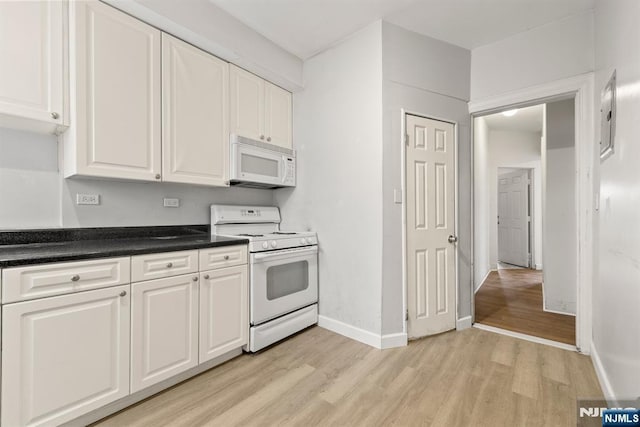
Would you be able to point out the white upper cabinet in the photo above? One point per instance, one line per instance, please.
(195, 122)
(247, 104)
(32, 65)
(259, 110)
(278, 115)
(115, 95)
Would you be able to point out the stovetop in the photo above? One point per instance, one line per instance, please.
(259, 224)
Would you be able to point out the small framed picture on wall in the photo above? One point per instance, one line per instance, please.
(608, 118)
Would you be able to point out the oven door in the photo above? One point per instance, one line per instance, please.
(282, 281)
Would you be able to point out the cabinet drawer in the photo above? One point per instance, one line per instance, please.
(166, 264)
(25, 283)
(226, 256)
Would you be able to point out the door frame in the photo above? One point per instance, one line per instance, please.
(581, 89)
(403, 159)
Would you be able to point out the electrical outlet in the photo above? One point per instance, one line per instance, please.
(171, 203)
(87, 199)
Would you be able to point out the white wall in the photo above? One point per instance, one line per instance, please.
(29, 180)
(616, 295)
(541, 55)
(34, 193)
(338, 134)
(428, 77)
(205, 25)
(560, 225)
(482, 265)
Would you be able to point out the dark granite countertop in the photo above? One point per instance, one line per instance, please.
(26, 247)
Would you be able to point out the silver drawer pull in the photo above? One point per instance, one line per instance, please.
(123, 293)
(169, 265)
(75, 278)
(206, 277)
(226, 257)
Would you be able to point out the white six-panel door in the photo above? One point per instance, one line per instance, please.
(164, 325)
(116, 77)
(430, 207)
(513, 218)
(64, 356)
(195, 128)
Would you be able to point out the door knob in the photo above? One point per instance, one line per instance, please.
(452, 239)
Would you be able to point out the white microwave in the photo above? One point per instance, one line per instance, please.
(257, 164)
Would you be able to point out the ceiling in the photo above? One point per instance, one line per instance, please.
(526, 119)
(307, 27)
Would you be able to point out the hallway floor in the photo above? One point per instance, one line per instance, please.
(512, 299)
(318, 378)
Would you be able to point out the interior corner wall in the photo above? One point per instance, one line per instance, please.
(431, 78)
(559, 219)
(338, 134)
(482, 265)
(541, 55)
(616, 293)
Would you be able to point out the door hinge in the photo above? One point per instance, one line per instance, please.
(406, 315)
(406, 138)
(529, 218)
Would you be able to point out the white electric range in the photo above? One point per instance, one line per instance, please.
(283, 271)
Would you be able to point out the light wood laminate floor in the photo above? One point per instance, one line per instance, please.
(512, 299)
(465, 378)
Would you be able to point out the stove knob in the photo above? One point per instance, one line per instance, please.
(274, 243)
(265, 245)
(303, 241)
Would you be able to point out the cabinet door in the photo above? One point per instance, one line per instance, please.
(32, 68)
(247, 104)
(224, 310)
(278, 127)
(64, 356)
(116, 75)
(164, 329)
(195, 122)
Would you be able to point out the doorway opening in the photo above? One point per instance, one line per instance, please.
(525, 227)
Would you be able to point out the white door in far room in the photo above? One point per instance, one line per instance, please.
(430, 226)
(513, 218)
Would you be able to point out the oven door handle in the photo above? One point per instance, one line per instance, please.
(262, 256)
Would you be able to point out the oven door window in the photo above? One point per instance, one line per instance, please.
(259, 165)
(286, 279)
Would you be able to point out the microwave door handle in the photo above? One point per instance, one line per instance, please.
(284, 169)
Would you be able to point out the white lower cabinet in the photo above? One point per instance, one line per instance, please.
(224, 311)
(164, 329)
(64, 356)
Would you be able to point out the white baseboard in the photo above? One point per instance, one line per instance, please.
(603, 379)
(538, 266)
(463, 323)
(393, 340)
(558, 312)
(365, 337)
(483, 280)
(525, 337)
